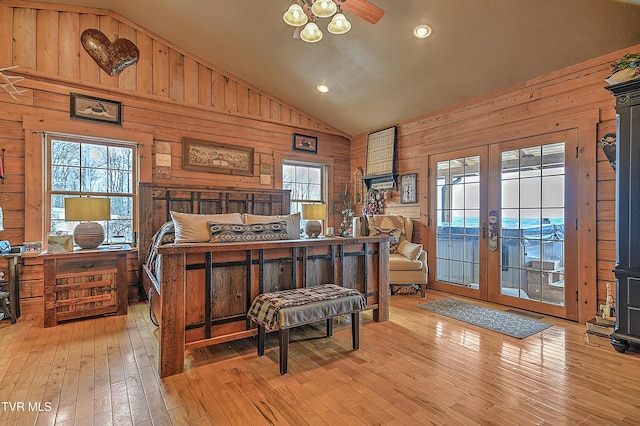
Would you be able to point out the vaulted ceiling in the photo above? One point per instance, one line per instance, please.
(380, 74)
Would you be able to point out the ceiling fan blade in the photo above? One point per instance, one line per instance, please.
(363, 9)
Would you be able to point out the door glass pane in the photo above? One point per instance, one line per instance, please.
(532, 228)
(458, 210)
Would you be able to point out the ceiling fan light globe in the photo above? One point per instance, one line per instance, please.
(324, 8)
(339, 24)
(295, 16)
(311, 33)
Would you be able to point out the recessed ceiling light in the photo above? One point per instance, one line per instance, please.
(322, 88)
(422, 31)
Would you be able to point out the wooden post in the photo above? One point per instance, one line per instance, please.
(172, 331)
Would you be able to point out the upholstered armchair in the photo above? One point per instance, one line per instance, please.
(407, 260)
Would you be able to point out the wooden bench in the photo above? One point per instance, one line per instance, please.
(282, 310)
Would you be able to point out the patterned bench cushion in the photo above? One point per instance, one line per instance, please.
(291, 308)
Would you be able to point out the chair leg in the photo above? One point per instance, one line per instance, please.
(6, 311)
(355, 330)
(262, 339)
(423, 290)
(284, 350)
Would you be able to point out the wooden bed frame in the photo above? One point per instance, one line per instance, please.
(205, 290)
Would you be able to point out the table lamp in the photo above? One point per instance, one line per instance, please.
(314, 214)
(87, 234)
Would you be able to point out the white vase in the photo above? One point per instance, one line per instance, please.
(620, 76)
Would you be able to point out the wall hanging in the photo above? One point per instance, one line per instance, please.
(380, 155)
(96, 109)
(216, 157)
(111, 57)
(305, 143)
(7, 83)
(608, 144)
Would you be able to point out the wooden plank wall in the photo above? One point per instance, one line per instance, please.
(168, 93)
(568, 97)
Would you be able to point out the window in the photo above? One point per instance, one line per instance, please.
(97, 168)
(306, 183)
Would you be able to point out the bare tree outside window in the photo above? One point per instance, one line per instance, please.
(97, 169)
(305, 183)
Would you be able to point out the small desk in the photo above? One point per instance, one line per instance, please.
(10, 283)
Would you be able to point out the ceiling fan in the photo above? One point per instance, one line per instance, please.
(302, 14)
(363, 9)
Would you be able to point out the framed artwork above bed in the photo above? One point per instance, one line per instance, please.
(216, 157)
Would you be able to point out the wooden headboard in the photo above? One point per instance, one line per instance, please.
(156, 201)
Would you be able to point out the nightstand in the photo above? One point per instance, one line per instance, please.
(85, 283)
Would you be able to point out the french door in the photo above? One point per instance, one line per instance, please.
(503, 225)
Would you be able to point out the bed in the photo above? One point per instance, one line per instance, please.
(200, 292)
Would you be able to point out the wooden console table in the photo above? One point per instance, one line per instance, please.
(84, 283)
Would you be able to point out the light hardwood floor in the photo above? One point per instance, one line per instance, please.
(418, 368)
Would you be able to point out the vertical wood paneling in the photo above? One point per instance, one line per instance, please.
(24, 37)
(265, 107)
(190, 80)
(275, 111)
(230, 94)
(160, 69)
(217, 90)
(68, 36)
(127, 77)
(89, 70)
(155, 73)
(176, 75)
(109, 27)
(254, 103)
(47, 41)
(144, 66)
(285, 114)
(6, 36)
(242, 104)
(204, 86)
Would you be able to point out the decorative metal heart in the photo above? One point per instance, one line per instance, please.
(111, 57)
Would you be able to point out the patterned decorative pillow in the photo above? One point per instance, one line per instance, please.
(386, 222)
(293, 222)
(393, 233)
(237, 233)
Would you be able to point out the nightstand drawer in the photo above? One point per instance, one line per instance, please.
(86, 267)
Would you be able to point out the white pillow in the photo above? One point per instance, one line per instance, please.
(409, 250)
(194, 228)
(292, 221)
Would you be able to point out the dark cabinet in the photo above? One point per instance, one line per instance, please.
(627, 268)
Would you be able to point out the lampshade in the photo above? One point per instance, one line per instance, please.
(324, 8)
(87, 234)
(311, 33)
(339, 24)
(295, 16)
(313, 214)
(314, 211)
